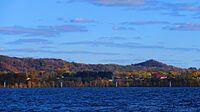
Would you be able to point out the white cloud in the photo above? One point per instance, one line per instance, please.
(82, 20)
(41, 30)
(118, 2)
(2, 49)
(184, 27)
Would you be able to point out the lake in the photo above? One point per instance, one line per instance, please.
(101, 99)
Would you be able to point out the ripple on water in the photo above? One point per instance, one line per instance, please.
(101, 99)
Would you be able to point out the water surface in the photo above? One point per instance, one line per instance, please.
(101, 99)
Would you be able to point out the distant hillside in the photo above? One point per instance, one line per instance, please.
(14, 64)
(151, 63)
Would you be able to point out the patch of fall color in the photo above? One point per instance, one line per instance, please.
(30, 73)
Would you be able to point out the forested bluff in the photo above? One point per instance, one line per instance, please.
(56, 73)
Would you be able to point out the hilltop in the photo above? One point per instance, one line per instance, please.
(151, 63)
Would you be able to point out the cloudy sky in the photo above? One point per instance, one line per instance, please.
(102, 31)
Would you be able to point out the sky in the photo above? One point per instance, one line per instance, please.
(102, 31)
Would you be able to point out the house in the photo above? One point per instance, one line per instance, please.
(159, 75)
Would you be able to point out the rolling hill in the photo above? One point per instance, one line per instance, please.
(14, 64)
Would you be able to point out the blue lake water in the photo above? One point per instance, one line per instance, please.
(101, 99)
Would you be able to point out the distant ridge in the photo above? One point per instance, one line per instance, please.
(14, 64)
(151, 63)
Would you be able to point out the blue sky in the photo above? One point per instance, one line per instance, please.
(102, 31)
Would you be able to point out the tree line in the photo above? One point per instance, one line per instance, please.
(61, 78)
